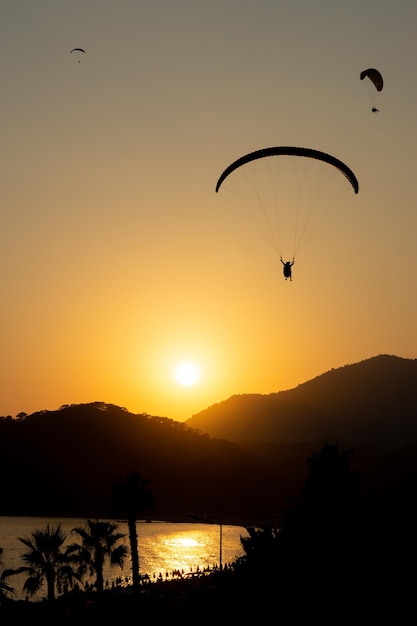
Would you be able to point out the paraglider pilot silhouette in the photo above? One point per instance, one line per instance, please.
(287, 268)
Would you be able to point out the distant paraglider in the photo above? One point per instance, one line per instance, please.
(377, 83)
(77, 51)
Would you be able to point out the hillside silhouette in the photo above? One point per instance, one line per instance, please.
(371, 403)
(236, 461)
(65, 462)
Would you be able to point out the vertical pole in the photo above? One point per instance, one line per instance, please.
(221, 547)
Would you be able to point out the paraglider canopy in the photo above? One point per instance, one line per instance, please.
(291, 151)
(373, 76)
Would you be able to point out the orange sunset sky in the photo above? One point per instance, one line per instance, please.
(119, 261)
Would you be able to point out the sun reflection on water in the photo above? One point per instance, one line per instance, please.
(182, 542)
(186, 551)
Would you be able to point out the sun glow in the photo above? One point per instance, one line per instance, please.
(187, 374)
(184, 542)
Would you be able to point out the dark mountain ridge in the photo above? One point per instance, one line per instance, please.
(370, 403)
(65, 462)
(237, 460)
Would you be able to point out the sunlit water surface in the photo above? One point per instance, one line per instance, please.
(164, 548)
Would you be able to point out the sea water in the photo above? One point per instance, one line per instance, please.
(165, 549)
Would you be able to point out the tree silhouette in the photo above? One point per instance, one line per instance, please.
(47, 561)
(323, 533)
(131, 495)
(99, 542)
(5, 589)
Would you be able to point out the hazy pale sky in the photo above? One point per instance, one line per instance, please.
(119, 260)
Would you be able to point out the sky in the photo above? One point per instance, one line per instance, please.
(119, 261)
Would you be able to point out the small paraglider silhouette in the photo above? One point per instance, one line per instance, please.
(376, 79)
(78, 50)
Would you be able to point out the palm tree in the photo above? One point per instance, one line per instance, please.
(5, 589)
(46, 560)
(131, 496)
(99, 542)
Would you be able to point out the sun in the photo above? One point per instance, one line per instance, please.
(187, 374)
